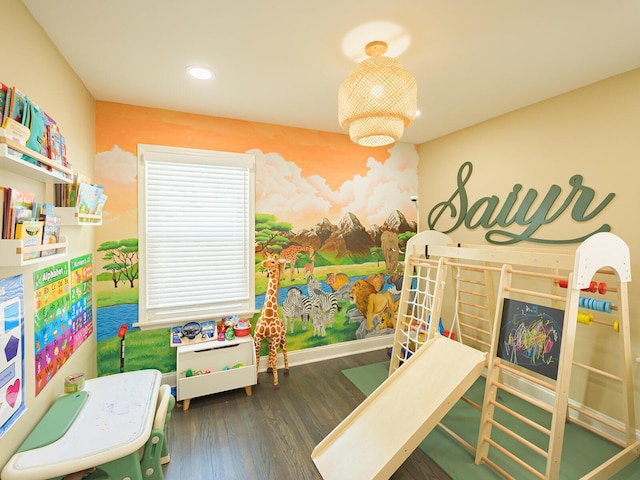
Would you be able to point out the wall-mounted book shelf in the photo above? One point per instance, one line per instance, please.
(14, 163)
(71, 216)
(12, 252)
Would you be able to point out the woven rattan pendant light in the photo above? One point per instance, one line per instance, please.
(378, 100)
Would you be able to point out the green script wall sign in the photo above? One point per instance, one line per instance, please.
(486, 212)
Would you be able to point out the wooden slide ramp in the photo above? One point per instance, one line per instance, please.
(379, 435)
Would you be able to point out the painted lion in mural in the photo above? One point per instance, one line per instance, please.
(359, 295)
(384, 307)
(336, 280)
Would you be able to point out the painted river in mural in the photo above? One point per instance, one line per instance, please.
(110, 319)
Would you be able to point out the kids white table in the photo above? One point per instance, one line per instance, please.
(104, 425)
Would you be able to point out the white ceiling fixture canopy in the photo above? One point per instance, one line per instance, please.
(378, 100)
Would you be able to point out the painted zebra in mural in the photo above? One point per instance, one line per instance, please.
(323, 306)
(296, 305)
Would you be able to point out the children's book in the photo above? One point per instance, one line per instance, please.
(15, 198)
(88, 197)
(36, 209)
(48, 124)
(17, 105)
(16, 131)
(3, 99)
(21, 197)
(51, 232)
(53, 136)
(1, 211)
(38, 139)
(100, 205)
(30, 232)
(19, 214)
(7, 103)
(63, 151)
(5, 211)
(46, 209)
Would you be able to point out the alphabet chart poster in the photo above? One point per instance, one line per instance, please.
(11, 352)
(53, 333)
(81, 313)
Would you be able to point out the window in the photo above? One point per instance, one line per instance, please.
(196, 227)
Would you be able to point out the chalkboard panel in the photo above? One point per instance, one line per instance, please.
(530, 336)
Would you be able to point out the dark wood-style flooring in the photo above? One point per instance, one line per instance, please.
(271, 434)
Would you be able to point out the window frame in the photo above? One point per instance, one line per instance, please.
(149, 318)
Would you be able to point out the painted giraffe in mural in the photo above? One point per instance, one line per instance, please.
(270, 326)
(290, 255)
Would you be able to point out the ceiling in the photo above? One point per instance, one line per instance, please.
(282, 61)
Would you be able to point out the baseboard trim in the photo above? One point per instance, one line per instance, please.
(326, 352)
(316, 354)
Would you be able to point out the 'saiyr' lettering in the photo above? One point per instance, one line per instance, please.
(487, 212)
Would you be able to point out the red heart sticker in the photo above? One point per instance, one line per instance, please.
(12, 392)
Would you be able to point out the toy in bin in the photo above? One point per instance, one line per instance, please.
(242, 328)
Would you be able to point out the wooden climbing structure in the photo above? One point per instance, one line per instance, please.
(528, 326)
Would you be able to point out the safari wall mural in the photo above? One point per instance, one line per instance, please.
(338, 214)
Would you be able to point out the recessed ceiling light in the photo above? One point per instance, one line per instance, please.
(201, 73)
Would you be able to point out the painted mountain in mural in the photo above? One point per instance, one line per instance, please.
(398, 223)
(349, 239)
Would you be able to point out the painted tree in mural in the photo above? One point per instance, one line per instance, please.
(270, 233)
(377, 253)
(123, 260)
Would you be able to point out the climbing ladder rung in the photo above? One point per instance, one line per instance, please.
(475, 340)
(535, 294)
(528, 273)
(424, 262)
(520, 417)
(530, 378)
(473, 305)
(457, 437)
(471, 403)
(521, 396)
(604, 421)
(600, 433)
(474, 268)
(598, 371)
(475, 329)
(517, 437)
(511, 456)
(472, 292)
(471, 315)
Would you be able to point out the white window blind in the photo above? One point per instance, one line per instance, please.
(197, 255)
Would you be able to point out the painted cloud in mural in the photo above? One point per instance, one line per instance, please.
(384, 186)
(280, 187)
(388, 184)
(116, 170)
(117, 165)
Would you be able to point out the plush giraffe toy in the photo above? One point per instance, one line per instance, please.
(270, 326)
